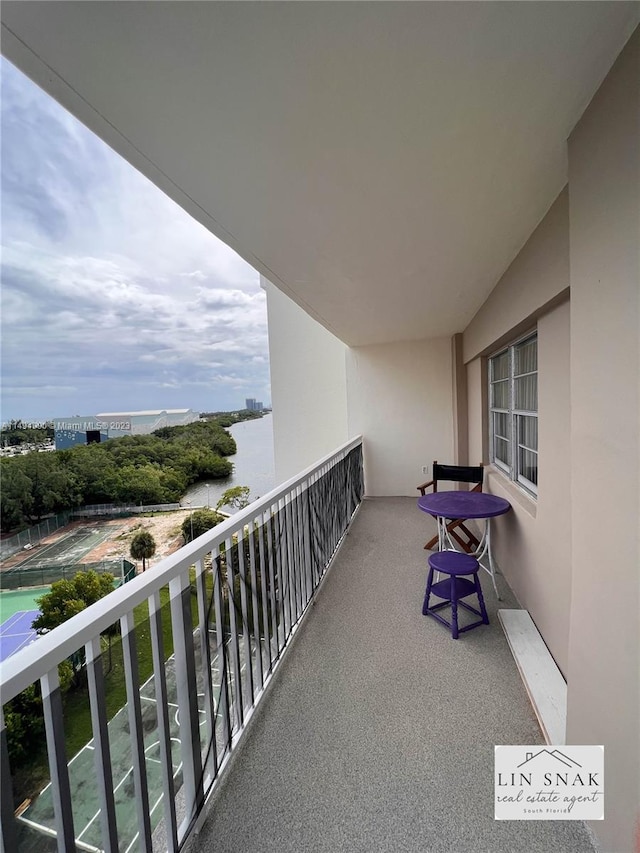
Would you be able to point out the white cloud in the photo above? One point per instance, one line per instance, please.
(108, 283)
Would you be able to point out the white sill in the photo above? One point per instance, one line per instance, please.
(512, 491)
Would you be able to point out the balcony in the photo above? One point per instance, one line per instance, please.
(372, 731)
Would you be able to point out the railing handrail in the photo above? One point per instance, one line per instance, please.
(36, 660)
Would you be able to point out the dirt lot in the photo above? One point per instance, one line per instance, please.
(164, 527)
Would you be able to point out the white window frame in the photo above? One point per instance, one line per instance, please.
(512, 468)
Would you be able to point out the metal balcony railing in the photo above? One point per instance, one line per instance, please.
(233, 599)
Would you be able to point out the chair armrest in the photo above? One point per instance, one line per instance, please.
(424, 486)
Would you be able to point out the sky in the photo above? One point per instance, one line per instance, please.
(113, 298)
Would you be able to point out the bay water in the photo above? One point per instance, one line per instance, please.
(253, 465)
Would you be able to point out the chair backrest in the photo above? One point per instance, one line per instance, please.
(458, 473)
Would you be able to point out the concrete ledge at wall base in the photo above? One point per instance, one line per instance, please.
(543, 680)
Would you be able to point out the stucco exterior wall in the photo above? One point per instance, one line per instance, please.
(536, 280)
(532, 543)
(398, 396)
(308, 386)
(476, 407)
(400, 399)
(573, 555)
(604, 665)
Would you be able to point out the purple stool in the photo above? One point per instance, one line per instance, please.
(454, 588)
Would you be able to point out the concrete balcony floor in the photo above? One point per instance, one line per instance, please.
(378, 733)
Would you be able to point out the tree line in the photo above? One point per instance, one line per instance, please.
(227, 419)
(148, 469)
(16, 432)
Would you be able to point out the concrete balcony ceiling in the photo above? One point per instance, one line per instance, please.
(381, 163)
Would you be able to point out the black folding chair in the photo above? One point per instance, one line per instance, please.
(456, 528)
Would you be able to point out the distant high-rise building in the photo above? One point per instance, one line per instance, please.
(253, 405)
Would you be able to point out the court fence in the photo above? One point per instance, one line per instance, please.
(118, 511)
(32, 535)
(46, 574)
(35, 534)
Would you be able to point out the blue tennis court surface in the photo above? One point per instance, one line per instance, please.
(16, 632)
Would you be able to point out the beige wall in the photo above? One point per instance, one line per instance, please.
(400, 399)
(604, 666)
(308, 386)
(533, 543)
(460, 402)
(476, 409)
(534, 281)
(398, 396)
(573, 555)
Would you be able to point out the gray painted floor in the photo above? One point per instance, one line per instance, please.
(378, 732)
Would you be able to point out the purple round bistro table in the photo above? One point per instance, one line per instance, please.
(446, 506)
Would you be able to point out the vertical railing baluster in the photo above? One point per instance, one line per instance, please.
(297, 552)
(264, 590)
(280, 565)
(334, 513)
(312, 502)
(246, 632)
(283, 567)
(164, 728)
(186, 686)
(291, 557)
(291, 570)
(280, 580)
(255, 530)
(275, 599)
(8, 839)
(234, 641)
(205, 660)
(139, 765)
(58, 766)
(333, 496)
(306, 541)
(323, 521)
(293, 575)
(101, 752)
(307, 588)
(320, 521)
(224, 704)
(298, 556)
(331, 518)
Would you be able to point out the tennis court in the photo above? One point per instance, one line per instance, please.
(16, 632)
(73, 547)
(82, 773)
